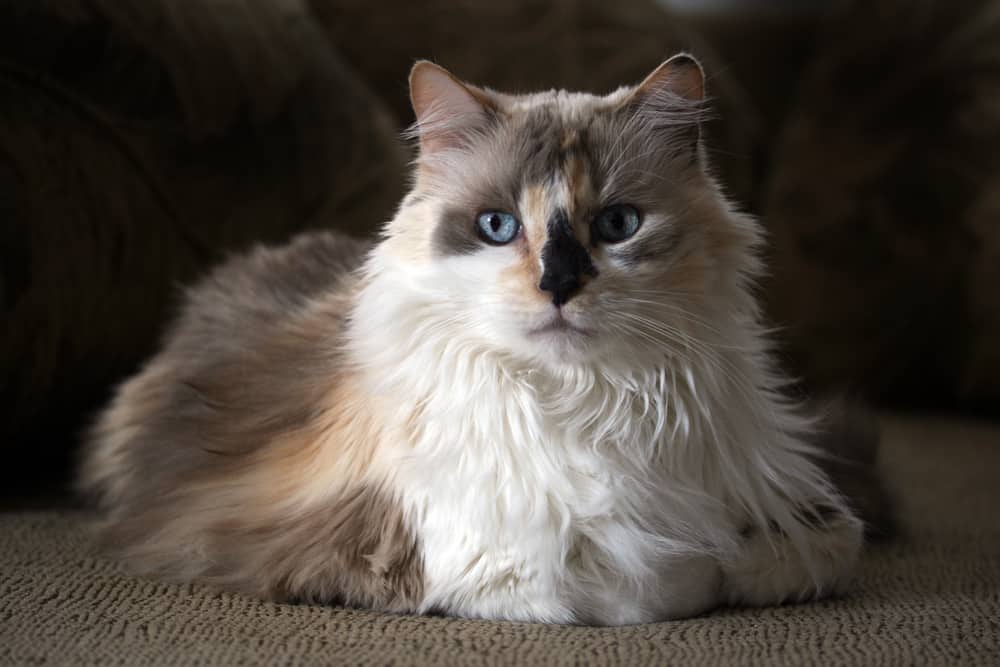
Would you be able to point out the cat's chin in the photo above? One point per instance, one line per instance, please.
(559, 342)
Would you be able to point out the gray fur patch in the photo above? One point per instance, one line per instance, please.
(455, 233)
(650, 246)
(249, 367)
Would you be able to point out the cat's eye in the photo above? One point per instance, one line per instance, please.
(497, 227)
(617, 223)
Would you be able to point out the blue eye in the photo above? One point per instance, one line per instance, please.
(497, 227)
(617, 223)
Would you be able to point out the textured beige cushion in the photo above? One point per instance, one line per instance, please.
(931, 597)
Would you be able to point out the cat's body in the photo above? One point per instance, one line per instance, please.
(540, 425)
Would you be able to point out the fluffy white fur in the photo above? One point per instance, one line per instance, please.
(650, 481)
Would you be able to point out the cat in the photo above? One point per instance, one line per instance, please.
(545, 394)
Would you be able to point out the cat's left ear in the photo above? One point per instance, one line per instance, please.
(448, 111)
(671, 100)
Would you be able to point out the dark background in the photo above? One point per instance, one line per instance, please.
(140, 142)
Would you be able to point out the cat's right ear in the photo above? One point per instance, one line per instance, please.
(448, 111)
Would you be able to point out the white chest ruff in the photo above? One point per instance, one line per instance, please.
(569, 516)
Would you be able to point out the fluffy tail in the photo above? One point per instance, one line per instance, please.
(849, 441)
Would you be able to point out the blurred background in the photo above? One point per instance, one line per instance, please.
(142, 141)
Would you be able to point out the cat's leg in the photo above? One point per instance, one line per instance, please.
(604, 590)
(771, 569)
(684, 587)
(494, 583)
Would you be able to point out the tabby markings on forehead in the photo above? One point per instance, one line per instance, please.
(555, 148)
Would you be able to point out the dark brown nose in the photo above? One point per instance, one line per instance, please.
(562, 287)
(566, 263)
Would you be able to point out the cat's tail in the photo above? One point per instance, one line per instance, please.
(848, 440)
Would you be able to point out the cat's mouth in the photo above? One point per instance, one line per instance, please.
(559, 325)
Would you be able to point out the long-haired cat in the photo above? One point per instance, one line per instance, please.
(544, 395)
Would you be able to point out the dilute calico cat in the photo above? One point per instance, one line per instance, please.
(545, 394)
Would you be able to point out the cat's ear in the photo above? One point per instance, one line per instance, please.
(448, 111)
(679, 77)
(671, 101)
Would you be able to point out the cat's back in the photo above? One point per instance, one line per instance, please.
(247, 357)
(271, 285)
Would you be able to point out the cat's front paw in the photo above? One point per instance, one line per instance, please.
(770, 570)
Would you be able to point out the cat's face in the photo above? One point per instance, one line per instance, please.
(565, 226)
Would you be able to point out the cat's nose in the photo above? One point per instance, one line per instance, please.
(567, 263)
(562, 287)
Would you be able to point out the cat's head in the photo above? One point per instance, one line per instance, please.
(568, 227)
